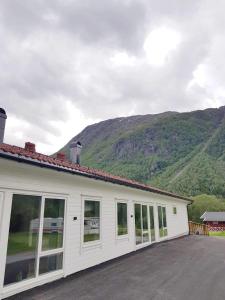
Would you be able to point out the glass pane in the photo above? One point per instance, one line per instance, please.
(91, 221)
(145, 237)
(145, 217)
(164, 217)
(23, 238)
(138, 227)
(50, 263)
(122, 218)
(152, 223)
(161, 234)
(165, 232)
(145, 223)
(53, 224)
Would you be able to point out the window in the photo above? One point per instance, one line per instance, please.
(91, 221)
(122, 228)
(141, 223)
(174, 210)
(36, 226)
(162, 221)
(152, 223)
(23, 240)
(52, 237)
(50, 263)
(138, 223)
(145, 231)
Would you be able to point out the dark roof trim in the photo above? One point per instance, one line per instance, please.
(93, 176)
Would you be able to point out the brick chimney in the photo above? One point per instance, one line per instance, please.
(30, 147)
(61, 156)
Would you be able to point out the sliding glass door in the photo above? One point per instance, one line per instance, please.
(35, 241)
(152, 223)
(22, 242)
(144, 223)
(162, 221)
(51, 253)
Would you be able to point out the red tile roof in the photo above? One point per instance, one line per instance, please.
(26, 156)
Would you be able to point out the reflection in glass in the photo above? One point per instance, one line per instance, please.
(50, 263)
(138, 226)
(161, 233)
(145, 217)
(162, 221)
(91, 221)
(145, 223)
(23, 240)
(53, 224)
(164, 216)
(122, 218)
(152, 223)
(145, 237)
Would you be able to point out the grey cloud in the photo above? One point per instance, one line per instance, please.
(57, 51)
(116, 23)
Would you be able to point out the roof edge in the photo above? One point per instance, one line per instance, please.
(116, 180)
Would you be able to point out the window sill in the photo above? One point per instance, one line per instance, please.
(122, 237)
(163, 238)
(92, 245)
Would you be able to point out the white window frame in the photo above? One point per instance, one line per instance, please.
(91, 244)
(154, 220)
(174, 206)
(8, 290)
(162, 205)
(145, 202)
(43, 253)
(123, 236)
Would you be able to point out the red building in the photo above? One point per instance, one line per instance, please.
(215, 220)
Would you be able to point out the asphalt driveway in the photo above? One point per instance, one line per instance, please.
(190, 268)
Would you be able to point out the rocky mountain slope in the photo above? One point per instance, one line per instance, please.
(179, 152)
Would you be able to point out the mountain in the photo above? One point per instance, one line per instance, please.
(180, 152)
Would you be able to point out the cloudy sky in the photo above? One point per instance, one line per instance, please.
(65, 64)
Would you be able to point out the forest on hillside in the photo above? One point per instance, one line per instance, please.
(179, 152)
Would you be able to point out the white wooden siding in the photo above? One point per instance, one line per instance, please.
(20, 177)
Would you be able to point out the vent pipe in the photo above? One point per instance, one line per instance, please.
(3, 118)
(75, 150)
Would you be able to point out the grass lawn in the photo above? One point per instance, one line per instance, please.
(91, 237)
(19, 242)
(217, 233)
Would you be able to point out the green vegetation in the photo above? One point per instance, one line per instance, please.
(180, 152)
(122, 230)
(162, 232)
(19, 242)
(204, 203)
(217, 233)
(91, 237)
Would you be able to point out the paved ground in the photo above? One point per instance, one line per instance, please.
(190, 268)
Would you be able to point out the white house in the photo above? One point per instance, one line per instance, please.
(57, 218)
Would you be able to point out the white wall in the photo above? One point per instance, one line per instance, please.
(17, 177)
